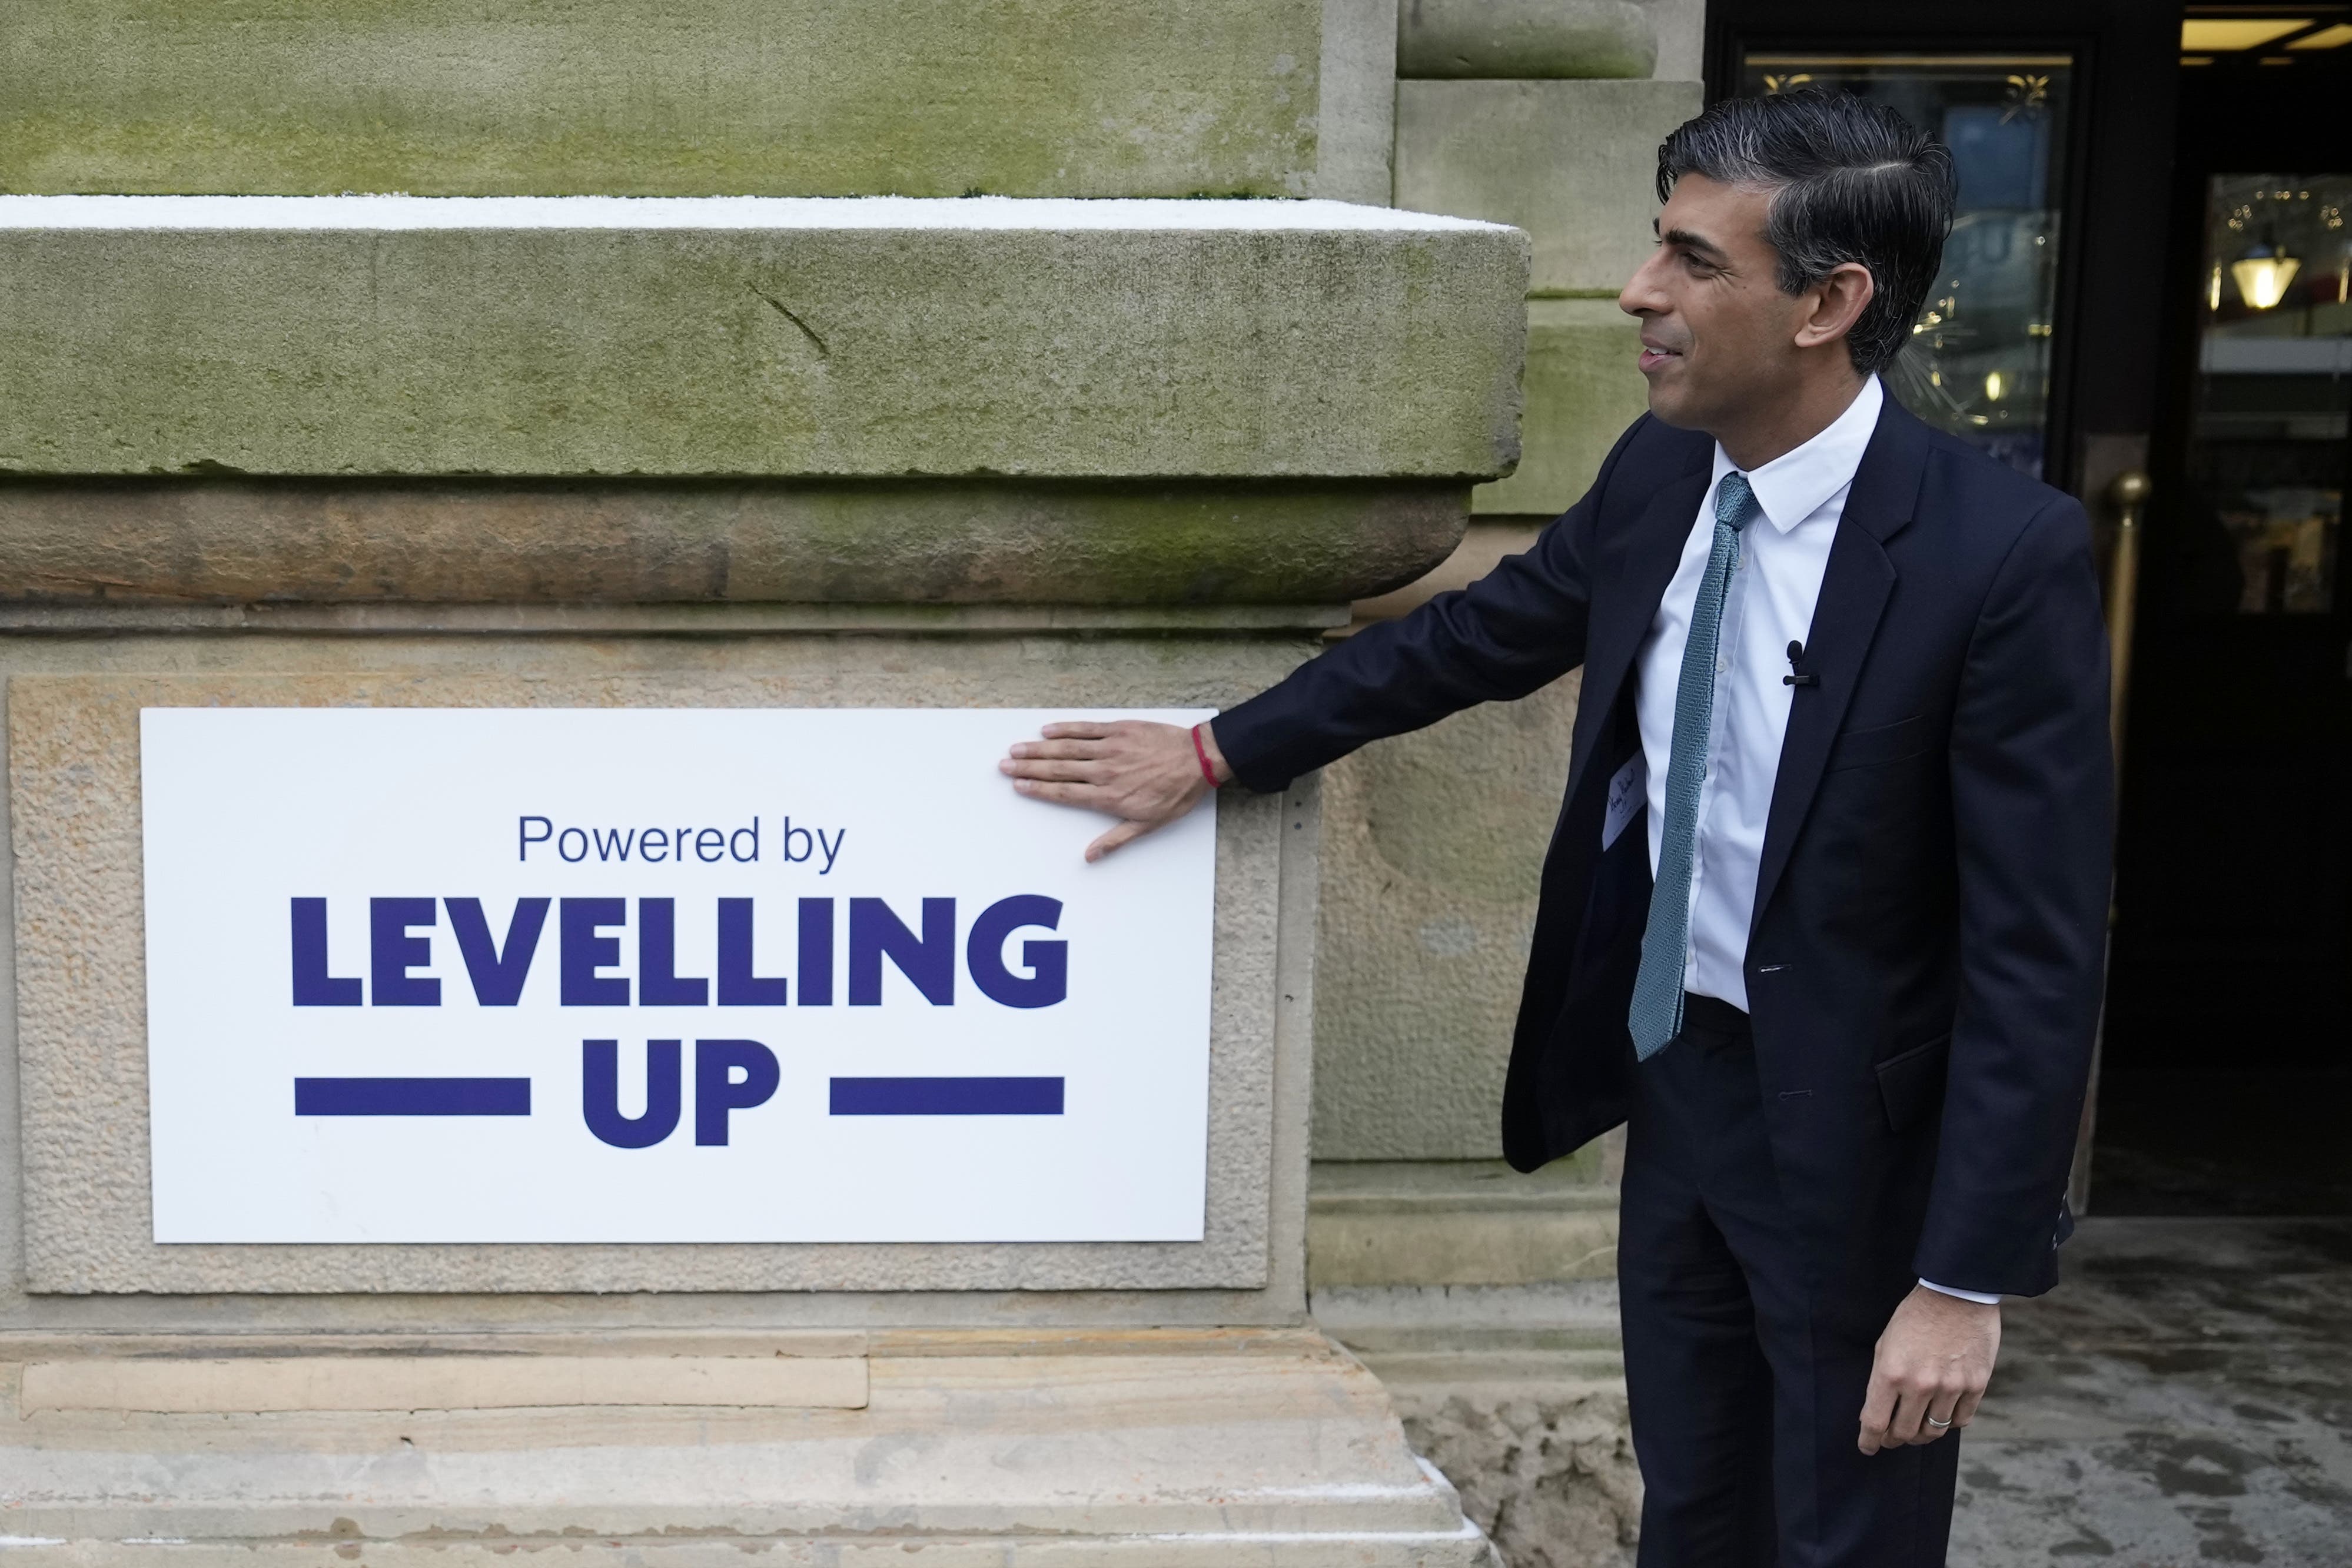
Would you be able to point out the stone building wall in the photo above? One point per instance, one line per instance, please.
(1436, 837)
(1484, 1299)
(704, 450)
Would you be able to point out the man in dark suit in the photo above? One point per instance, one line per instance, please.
(1823, 915)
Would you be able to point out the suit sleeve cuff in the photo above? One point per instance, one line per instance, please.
(1978, 1297)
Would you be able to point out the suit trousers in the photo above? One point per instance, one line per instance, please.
(1746, 1386)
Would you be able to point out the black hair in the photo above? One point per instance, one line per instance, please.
(1851, 181)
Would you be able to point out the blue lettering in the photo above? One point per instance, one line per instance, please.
(497, 976)
(522, 831)
(313, 986)
(563, 843)
(875, 933)
(737, 986)
(653, 844)
(817, 953)
(586, 949)
(392, 953)
(735, 843)
(1048, 980)
(717, 1093)
(600, 1093)
(613, 843)
(658, 982)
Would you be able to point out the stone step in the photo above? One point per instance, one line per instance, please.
(1268, 1446)
(1518, 1394)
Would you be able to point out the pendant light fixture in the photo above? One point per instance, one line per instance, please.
(2263, 273)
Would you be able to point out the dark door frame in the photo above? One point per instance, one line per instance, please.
(2105, 364)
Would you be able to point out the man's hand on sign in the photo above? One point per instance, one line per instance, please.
(1141, 773)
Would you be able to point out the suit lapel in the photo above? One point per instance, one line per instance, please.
(1624, 615)
(1856, 586)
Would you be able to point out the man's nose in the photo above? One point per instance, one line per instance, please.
(1641, 296)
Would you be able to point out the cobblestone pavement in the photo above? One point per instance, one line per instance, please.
(2185, 1397)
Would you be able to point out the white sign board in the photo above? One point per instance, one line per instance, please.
(661, 975)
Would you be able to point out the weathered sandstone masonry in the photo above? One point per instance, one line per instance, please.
(1486, 1300)
(712, 454)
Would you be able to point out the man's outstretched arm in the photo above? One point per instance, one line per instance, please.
(1514, 630)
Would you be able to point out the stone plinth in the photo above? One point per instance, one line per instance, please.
(704, 455)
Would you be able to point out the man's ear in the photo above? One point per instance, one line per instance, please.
(1837, 303)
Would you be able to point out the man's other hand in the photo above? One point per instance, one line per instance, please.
(1141, 773)
(1931, 1369)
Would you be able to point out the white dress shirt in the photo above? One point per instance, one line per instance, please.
(1783, 554)
(1768, 605)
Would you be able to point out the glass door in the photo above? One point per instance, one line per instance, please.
(1979, 363)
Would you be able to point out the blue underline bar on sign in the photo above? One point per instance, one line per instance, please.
(946, 1097)
(412, 1096)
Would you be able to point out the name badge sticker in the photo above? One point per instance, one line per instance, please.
(1628, 792)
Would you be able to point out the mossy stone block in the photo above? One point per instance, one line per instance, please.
(686, 98)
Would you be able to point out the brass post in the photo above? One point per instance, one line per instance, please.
(2128, 494)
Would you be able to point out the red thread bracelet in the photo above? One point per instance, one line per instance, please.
(1201, 752)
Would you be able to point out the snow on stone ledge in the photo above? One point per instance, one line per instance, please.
(398, 212)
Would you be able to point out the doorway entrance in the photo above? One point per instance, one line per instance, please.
(2226, 1082)
(2185, 311)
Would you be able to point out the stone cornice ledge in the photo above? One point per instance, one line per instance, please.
(669, 620)
(749, 337)
(932, 543)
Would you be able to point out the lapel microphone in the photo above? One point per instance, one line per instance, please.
(1798, 676)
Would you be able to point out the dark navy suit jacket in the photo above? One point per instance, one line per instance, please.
(1925, 965)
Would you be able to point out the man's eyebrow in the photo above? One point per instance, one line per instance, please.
(1689, 241)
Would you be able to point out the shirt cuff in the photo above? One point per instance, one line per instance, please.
(1978, 1297)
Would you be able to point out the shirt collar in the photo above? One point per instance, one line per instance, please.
(1796, 484)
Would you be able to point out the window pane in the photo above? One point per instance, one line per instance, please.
(1979, 363)
(2266, 454)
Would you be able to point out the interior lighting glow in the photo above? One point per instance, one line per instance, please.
(2201, 32)
(1994, 386)
(2262, 279)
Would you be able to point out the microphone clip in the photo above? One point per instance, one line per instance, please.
(1798, 676)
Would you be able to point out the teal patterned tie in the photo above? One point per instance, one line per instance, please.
(1657, 1016)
